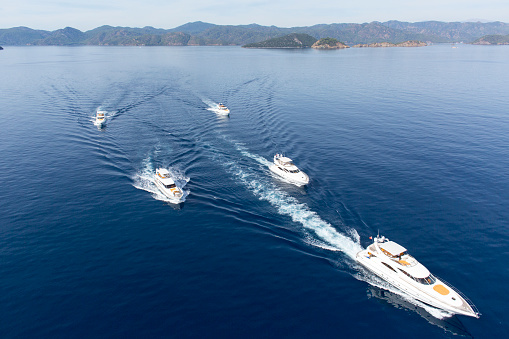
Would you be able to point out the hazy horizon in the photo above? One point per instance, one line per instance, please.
(253, 23)
(86, 15)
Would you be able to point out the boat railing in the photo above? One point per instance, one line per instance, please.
(469, 302)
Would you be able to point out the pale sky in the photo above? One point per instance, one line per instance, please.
(88, 14)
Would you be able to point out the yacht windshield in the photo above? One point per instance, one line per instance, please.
(170, 186)
(429, 280)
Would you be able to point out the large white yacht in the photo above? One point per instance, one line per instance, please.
(100, 118)
(391, 262)
(167, 186)
(285, 168)
(222, 109)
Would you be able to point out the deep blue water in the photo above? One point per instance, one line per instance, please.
(411, 142)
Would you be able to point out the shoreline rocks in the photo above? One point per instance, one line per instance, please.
(410, 43)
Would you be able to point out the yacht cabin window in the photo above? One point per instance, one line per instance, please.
(429, 280)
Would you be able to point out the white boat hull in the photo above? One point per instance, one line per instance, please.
(168, 193)
(223, 111)
(298, 179)
(100, 123)
(422, 293)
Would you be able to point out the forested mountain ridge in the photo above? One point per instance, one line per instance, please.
(201, 33)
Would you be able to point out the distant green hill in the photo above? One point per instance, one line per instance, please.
(293, 40)
(63, 37)
(193, 27)
(19, 36)
(492, 40)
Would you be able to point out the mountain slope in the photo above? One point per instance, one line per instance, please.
(67, 36)
(18, 36)
(193, 27)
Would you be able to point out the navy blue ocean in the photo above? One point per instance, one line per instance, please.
(409, 142)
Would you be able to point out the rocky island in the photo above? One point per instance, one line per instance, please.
(329, 43)
(410, 43)
(293, 40)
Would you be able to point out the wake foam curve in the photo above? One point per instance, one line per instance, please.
(211, 104)
(144, 180)
(328, 236)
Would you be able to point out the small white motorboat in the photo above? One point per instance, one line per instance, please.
(167, 186)
(100, 118)
(285, 168)
(222, 109)
(391, 262)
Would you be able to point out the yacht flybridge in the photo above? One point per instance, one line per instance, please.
(285, 168)
(167, 186)
(100, 118)
(391, 262)
(222, 109)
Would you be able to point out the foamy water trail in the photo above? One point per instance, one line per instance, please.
(144, 180)
(212, 106)
(327, 235)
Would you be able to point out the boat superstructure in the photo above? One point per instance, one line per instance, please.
(222, 109)
(391, 262)
(285, 168)
(167, 186)
(100, 118)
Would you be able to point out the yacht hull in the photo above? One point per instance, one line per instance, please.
(297, 180)
(223, 111)
(376, 266)
(168, 193)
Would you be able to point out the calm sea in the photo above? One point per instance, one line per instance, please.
(409, 142)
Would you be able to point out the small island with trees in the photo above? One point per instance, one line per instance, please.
(329, 43)
(493, 39)
(301, 40)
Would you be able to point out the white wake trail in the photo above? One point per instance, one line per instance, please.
(328, 236)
